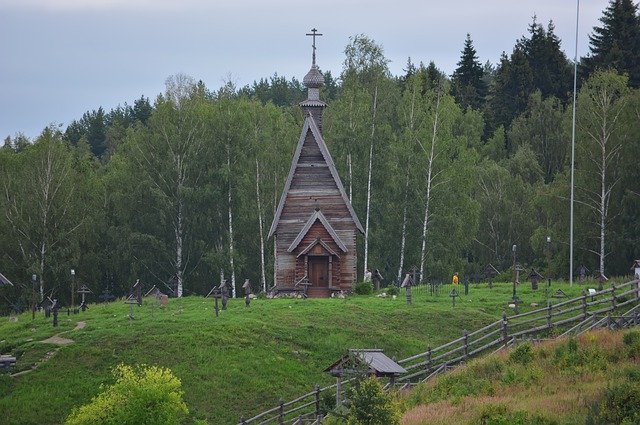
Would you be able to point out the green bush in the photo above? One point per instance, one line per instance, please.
(369, 404)
(141, 395)
(364, 288)
(620, 404)
(632, 344)
(499, 414)
(522, 354)
(392, 290)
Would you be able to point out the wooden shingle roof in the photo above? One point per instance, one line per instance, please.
(310, 125)
(317, 216)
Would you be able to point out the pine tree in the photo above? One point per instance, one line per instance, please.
(468, 86)
(616, 44)
(551, 71)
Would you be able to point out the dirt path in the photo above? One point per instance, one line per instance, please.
(55, 340)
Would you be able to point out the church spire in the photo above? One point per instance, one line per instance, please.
(313, 81)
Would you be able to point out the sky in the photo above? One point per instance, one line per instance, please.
(61, 58)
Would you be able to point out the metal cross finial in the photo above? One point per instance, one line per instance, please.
(314, 33)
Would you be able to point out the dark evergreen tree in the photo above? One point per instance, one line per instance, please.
(616, 44)
(551, 71)
(513, 86)
(467, 83)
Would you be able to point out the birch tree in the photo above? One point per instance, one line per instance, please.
(601, 106)
(168, 153)
(42, 204)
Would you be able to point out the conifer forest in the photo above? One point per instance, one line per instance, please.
(447, 171)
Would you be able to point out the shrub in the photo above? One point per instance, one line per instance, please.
(140, 395)
(631, 342)
(392, 290)
(370, 405)
(522, 354)
(498, 414)
(364, 288)
(620, 404)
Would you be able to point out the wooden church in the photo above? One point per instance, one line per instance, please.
(315, 226)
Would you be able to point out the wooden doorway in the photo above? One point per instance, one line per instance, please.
(318, 276)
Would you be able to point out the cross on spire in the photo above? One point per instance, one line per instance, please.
(314, 33)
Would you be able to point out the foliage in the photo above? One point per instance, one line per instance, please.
(392, 290)
(363, 288)
(632, 344)
(499, 414)
(140, 395)
(620, 404)
(369, 404)
(522, 354)
(616, 44)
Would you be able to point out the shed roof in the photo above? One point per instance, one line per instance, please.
(310, 125)
(4, 281)
(375, 359)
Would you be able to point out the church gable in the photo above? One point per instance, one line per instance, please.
(317, 227)
(313, 178)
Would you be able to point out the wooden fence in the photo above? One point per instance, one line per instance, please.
(570, 317)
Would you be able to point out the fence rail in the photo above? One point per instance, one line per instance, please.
(577, 315)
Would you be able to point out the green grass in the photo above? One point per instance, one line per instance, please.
(239, 363)
(556, 382)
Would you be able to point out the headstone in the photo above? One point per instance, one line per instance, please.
(582, 273)
(84, 290)
(490, 273)
(453, 294)
(55, 308)
(407, 283)
(224, 293)
(377, 278)
(247, 292)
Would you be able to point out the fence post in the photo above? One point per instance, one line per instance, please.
(504, 328)
(281, 412)
(584, 304)
(466, 344)
(428, 363)
(613, 296)
(317, 400)
(549, 314)
(635, 317)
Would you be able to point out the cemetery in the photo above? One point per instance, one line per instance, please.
(445, 279)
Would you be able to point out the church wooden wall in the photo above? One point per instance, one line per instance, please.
(313, 186)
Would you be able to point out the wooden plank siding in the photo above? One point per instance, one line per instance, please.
(313, 184)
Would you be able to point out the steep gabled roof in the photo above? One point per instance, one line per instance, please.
(317, 215)
(316, 242)
(4, 281)
(310, 125)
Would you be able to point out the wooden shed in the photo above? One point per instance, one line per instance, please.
(315, 226)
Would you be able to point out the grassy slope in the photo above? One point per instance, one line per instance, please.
(236, 364)
(560, 384)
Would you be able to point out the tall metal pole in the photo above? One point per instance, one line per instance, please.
(573, 146)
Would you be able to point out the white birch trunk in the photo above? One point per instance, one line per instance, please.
(263, 277)
(179, 241)
(350, 178)
(231, 251)
(42, 256)
(366, 228)
(404, 228)
(429, 184)
(406, 197)
(603, 204)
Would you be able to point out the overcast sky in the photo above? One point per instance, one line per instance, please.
(60, 58)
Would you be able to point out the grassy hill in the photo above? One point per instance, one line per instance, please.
(594, 378)
(238, 363)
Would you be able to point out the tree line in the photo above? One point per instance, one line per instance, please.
(447, 173)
